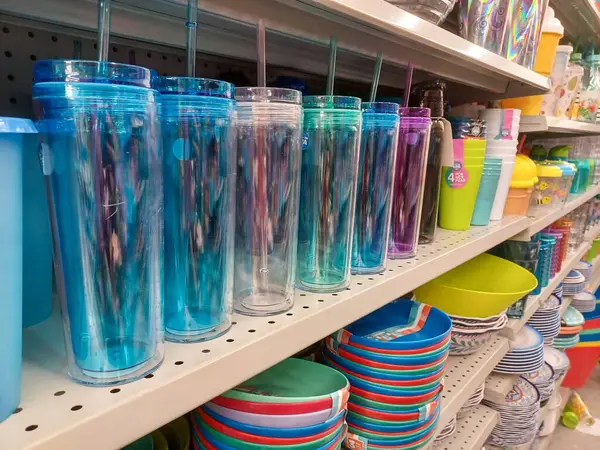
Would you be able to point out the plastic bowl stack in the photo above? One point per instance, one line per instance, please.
(469, 334)
(298, 404)
(574, 283)
(543, 380)
(584, 302)
(518, 415)
(395, 359)
(526, 354)
(585, 268)
(557, 360)
(571, 325)
(546, 319)
(434, 11)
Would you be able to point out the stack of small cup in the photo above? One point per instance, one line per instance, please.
(501, 136)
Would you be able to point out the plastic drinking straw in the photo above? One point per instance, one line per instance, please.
(103, 29)
(76, 49)
(408, 83)
(376, 74)
(331, 68)
(192, 26)
(261, 58)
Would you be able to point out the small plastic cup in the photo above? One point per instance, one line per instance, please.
(486, 194)
(331, 145)
(457, 203)
(502, 191)
(379, 143)
(269, 130)
(200, 159)
(502, 123)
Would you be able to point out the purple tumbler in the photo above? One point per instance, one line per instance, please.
(413, 145)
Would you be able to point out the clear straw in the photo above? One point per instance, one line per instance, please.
(408, 83)
(103, 29)
(331, 68)
(261, 58)
(376, 74)
(192, 25)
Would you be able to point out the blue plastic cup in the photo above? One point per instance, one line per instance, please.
(376, 162)
(267, 195)
(101, 149)
(331, 144)
(198, 133)
(14, 135)
(486, 192)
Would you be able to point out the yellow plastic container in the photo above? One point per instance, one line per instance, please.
(529, 106)
(523, 179)
(552, 32)
(482, 287)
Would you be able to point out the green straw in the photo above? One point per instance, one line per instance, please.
(331, 68)
(192, 26)
(103, 29)
(376, 74)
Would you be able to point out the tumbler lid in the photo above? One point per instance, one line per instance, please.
(415, 112)
(380, 107)
(268, 95)
(194, 86)
(16, 125)
(331, 102)
(76, 71)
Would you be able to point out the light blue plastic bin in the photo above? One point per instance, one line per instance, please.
(13, 137)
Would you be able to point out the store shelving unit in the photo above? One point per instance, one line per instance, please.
(471, 431)
(498, 385)
(579, 17)
(513, 326)
(297, 35)
(593, 233)
(539, 223)
(556, 126)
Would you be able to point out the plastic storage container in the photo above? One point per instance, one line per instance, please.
(413, 145)
(99, 129)
(521, 186)
(198, 132)
(546, 193)
(559, 68)
(568, 172)
(269, 128)
(16, 139)
(330, 149)
(379, 142)
(552, 32)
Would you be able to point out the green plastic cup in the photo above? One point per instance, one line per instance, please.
(457, 200)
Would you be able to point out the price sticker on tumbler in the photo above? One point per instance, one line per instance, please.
(457, 176)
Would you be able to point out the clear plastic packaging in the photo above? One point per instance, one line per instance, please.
(101, 149)
(269, 131)
(200, 157)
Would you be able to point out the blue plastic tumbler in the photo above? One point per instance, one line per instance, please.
(376, 162)
(101, 150)
(198, 133)
(487, 191)
(330, 148)
(269, 128)
(14, 134)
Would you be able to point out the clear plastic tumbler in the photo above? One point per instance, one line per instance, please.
(198, 135)
(330, 149)
(379, 142)
(99, 132)
(413, 146)
(268, 178)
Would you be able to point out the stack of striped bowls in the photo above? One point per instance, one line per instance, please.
(395, 360)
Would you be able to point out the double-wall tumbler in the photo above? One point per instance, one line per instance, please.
(330, 148)
(378, 144)
(198, 135)
(269, 131)
(101, 149)
(413, 145)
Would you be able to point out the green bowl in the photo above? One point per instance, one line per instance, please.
(385, 406)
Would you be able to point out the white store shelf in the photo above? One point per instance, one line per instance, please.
(539, 223)
(513, 326)
(580, 18)
(298, 33)
(593, 233)
(498, 385)
(251, 346)
(471, 431)
(554, 125)
(465, 374)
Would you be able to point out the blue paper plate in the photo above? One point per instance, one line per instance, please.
(383, 328)
(276, 432)
(362, 370)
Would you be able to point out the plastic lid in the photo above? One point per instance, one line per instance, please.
(564, 49)
(576, 57)
(551, 24)
(194, 86)
(559, 152)
(524, 174)
(380, 107)
(76, 71)
(268, 95)
(538, 152)
(545, 169)
(570, 419)
(415, 112)
(567, 168)
(16, 125)
(331, 102)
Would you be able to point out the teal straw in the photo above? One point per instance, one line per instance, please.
(376, 74)
(103, 29)
(331, 68)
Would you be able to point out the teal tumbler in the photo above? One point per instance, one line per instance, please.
(101, 151)
(198, 135)
(487, 191)
(330, 149)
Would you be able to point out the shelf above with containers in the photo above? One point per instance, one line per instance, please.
(580, 18)
(298, 33)
(547, 125)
